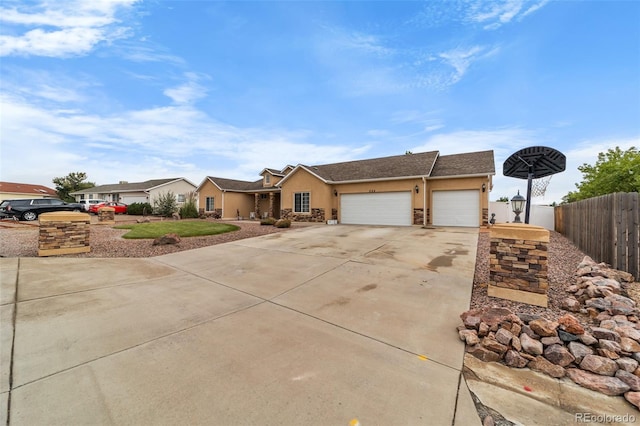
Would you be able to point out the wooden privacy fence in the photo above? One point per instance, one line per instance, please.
(605, 228)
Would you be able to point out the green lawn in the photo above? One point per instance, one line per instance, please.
(184, 228)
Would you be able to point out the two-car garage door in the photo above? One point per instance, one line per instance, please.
(377, 208)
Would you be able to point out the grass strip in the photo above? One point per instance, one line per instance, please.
(184, 228)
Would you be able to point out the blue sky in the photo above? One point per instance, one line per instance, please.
(135, 90)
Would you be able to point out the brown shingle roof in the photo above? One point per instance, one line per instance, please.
(236, 185)
(26, 188)
(472, 163)
(397, 166)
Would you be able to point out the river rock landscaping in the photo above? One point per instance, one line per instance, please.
(595, 342)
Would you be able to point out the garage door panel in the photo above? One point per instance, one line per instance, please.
(456, 208)
(384, 208)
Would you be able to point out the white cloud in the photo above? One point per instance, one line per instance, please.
(62, 29)
(188, 92)
(177, 140)
(462, 58)
(491, 14)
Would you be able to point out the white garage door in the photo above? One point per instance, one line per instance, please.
(382, 208)
(456, 208)
(132, 199)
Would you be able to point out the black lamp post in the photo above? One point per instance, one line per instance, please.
(517, 204)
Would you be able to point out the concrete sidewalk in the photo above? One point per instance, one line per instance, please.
(320, 325)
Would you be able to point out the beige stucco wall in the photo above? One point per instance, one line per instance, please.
(180, 187)
(229, 202)
(237, 202)
(273, 180)
(208, 189)
(322, 195)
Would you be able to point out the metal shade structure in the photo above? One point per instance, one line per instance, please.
(533, 163)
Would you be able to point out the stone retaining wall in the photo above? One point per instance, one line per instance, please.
(518, 263)
(598, 349)
(63, 233)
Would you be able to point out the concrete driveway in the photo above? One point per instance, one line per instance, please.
(330, 325)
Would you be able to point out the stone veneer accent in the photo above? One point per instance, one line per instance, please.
(63, 233)
(106, 216)
(316, 215)
(418, 216)
(518, 263)
(485, 217)
(334, 214)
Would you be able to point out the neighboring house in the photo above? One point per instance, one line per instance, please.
(13, 191)
(412, 189)
(138, 192)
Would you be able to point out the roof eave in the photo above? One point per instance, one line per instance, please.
(472, 175)
(342, 182)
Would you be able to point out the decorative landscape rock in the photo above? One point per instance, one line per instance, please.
(600, 352)
(607, 385)
(167, 239)
(559, 355)
(599, 365)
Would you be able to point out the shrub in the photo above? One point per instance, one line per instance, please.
(267, 221)
(139, 209)
(189, 209)
(283, 223)
(166, 204)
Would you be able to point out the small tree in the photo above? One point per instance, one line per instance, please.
(503, 199)
(166, 204)
(614, 171)
(189, 208)
(71, 183)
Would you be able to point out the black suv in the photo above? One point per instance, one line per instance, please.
(31, 208)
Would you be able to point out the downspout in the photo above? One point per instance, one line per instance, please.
(424, 201)
(222, 215)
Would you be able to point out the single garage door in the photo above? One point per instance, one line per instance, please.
(378, 208)
(456, 208)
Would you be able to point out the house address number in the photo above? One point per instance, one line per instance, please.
(372, 190)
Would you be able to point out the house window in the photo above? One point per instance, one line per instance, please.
(209, 204)
(264, 196)
(301, 202)
(181, 198)
(267, 178)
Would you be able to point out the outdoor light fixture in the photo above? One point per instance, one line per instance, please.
(417, 188)
(517, 204)
(484, 187)
(335, 192)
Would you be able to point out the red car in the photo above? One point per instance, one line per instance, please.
(120, 208)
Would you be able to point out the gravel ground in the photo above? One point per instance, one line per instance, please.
(21, 240)
(564, 258)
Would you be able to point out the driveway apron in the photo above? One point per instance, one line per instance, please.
(316, 325)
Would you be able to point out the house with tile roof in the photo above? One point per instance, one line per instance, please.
(137, 192)
(14, 191)
(412, 189)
